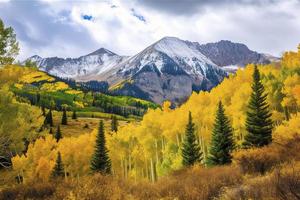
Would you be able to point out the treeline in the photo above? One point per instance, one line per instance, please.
(100, 102)
(93, 85)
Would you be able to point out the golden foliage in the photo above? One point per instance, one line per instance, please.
(52, 87)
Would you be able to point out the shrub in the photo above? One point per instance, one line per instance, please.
(28, 191)
(195, 183)
(283, 183)
(261, 160)
(258, 160)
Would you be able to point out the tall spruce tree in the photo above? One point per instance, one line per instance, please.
(258, 122)
(58, 170)
(114, 123)
(191, 152)
(58, 134)
(222, 139)
(74, 116)
(64, 120)
(100, 161)
(49, 119)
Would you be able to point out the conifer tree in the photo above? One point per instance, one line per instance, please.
(58, 170)
(114, 123)
(222, 139)
(258, 121)
(191, 152)
(58, 134)
(49, 119)
(100, 161)
(64, 117)
(74, 116)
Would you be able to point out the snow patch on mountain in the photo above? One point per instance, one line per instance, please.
(97, 62)
(184, 54)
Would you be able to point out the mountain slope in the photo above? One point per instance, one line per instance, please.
(170, 69)
(226, 53)
(96, 62)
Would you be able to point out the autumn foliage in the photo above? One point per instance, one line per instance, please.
(150, 150)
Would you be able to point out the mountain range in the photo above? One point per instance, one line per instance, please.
(170, 69)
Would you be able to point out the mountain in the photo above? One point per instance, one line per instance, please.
(227, 54)
(169, 69)
(96, 62)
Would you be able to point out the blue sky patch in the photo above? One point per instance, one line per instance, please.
(87, 17)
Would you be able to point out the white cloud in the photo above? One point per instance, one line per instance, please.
(57, 28)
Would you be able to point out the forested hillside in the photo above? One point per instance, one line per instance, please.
(249, 123)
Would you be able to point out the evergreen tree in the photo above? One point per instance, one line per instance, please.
(58, 170)
(64, 117)
(114, 123)
(100, 161)
(191, 152)
(258, 121)
(74, 116)
(49, 119)
(58, 134)
(222, 139)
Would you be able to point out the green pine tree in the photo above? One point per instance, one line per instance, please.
(74, 116)
(100, 161)
(49, 119)
(58, 170)
(58, 134)
(64, 120)
(191, 152)
(222, 139)
(114, 123)
(258, 122)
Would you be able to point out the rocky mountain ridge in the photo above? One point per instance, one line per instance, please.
(169, 69)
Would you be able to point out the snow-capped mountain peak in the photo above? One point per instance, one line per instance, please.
(170, 55)
(94, 63)
(101, 51)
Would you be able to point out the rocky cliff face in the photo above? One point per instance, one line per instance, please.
(227, 53)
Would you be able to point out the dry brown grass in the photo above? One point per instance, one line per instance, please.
(190, 184)
(282, 184)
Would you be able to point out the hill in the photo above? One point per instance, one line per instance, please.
(40, 89)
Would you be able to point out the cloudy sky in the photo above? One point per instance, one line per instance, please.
(70, 29)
